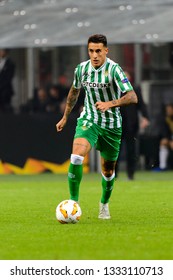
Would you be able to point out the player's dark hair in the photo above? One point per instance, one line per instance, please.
(98, 38)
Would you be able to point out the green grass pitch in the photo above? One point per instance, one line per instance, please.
(141, 227)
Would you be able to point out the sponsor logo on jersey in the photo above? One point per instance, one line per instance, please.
(96, 85)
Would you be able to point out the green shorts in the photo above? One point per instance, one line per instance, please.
(107, 141)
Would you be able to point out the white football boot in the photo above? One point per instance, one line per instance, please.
(104, 211)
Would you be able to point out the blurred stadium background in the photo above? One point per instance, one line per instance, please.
(47, 39)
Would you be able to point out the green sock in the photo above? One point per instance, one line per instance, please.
(74, 179)
(107, 187)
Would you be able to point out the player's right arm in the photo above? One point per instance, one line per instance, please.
(70, 103)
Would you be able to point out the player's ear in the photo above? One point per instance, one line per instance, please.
(106, 50)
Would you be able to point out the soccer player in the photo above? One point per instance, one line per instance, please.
(100, 122)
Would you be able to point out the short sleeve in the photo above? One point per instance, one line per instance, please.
(121, 80)
(77, 77)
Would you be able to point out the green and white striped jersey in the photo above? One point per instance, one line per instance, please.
(103, 84)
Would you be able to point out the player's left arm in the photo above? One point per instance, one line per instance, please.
(124, 85)
(129, 98)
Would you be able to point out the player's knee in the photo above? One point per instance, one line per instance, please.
(108, 168)
(108, 174)
(76, 159)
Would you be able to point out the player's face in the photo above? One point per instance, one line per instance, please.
(97, 53)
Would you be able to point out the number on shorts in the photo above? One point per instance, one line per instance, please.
(87, 123)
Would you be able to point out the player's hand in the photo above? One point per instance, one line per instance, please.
(60, 125)
(102, 106)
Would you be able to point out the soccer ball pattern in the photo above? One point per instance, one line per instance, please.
(68, 212)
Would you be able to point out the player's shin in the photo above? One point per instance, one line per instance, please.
(75, 175)
(107, 187)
